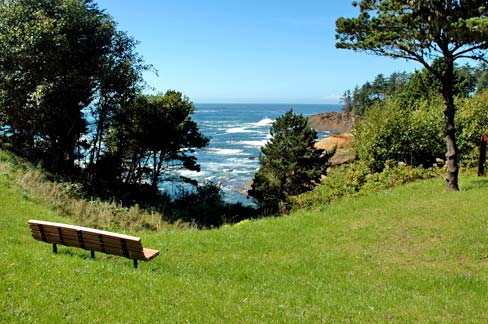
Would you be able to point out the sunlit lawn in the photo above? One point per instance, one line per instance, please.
(412, 254)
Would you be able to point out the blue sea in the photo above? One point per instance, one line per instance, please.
(237, 132)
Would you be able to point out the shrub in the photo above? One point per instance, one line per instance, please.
(409, 133)
(205, 207)
(472, 123)
(357, 179)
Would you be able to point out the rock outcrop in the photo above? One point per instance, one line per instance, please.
(333, 122)
(344, 152)
(342, 141)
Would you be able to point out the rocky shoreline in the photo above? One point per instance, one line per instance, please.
(333, 122)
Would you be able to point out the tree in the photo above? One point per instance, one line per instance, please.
(290, 163)
(481, 76)
(434, 33)
(49, 52)
(118, 82)
(154, 134)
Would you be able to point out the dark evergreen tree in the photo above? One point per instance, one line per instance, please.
(290, 163)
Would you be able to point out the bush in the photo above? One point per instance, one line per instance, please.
(205, 207)
(408, 133)
(357, 179)
(472, 123)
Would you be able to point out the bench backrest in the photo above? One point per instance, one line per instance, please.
(88, 239)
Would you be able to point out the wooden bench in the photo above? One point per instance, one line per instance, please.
(91, 239)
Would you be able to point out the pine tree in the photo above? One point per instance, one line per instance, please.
(290, 163)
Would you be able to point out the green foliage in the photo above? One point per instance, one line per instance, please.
(411, 87)
(361, 98)
(49, 54)
(119, 81)
(481, 76)
(71, 100)
(205, 207)
(422, 85)
(357, 179)
(434, 33)
(67, 199)
(410, 30)
(154, 134)
(472, 121)
(290, 163)
(409, 134)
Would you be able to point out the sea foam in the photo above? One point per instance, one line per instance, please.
(235, 130)
(254, 144)
(223, 151)
(264, 122)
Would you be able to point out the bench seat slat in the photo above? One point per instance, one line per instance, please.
(150, 254)
(115, 250)
(53, 227)
(50, 238)
(91, 239)
(87, 237)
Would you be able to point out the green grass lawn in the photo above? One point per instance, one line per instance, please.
(412, 254)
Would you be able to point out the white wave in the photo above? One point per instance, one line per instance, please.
(243, 161)
(221, 151)
(207, 111)
(254, 143)
(250, 172)
(238, 130)
(264, 122)
(189, 173)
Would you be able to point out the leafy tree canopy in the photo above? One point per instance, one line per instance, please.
(434, 33)
(49, 53)
(411, 87)
(152, 135)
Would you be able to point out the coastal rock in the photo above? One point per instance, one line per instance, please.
(334, 122)
(342, 141)
(248, 186)
(344, 152)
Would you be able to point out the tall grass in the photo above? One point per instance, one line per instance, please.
(65, 199)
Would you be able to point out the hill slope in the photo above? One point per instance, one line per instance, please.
(412, 254)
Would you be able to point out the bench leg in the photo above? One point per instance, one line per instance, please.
(92, 254)
(55, 248)
(135, 263)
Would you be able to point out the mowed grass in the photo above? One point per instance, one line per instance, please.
(409, 255)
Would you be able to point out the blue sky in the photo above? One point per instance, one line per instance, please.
(247, 51)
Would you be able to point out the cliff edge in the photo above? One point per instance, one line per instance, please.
(334, 122)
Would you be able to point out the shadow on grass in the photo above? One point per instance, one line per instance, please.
(85, 255)
(476, 183)
(80, 253)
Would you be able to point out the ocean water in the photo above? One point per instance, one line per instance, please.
(237, 132)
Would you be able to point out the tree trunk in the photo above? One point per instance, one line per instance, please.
(450, 132)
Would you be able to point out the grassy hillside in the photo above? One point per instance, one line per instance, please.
(412, 254)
